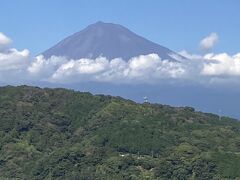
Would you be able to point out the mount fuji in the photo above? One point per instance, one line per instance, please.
(108, 40)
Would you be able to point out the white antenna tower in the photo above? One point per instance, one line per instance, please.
(145, 99)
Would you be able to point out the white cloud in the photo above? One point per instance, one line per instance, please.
(152, 67)
(147, 68)
(4, 41)
(214, 68)
(209, 42)
(222, 65)
(16, 66)
(12, 65)
(13, 59)
(40, 69)
(80, 70)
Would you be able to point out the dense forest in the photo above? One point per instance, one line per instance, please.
(64, 134)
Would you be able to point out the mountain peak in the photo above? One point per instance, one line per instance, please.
(104, 24)
(101, 23)
(109, 40)
(107, 28)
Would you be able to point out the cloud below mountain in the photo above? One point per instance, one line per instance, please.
(17, 66)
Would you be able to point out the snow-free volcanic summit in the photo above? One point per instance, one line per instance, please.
(108, 40)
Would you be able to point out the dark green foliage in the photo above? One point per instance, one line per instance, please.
(63, 134)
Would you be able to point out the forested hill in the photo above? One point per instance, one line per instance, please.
(63, 134)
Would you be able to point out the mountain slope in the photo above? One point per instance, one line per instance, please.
(63, 134)
(108, 40)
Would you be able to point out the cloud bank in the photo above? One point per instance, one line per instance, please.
(17, 66)
(142, 69)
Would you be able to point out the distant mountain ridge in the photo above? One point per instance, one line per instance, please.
(108, 40)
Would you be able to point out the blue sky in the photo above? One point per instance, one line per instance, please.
(37, 25)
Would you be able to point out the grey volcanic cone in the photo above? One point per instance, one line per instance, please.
(108, 40)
